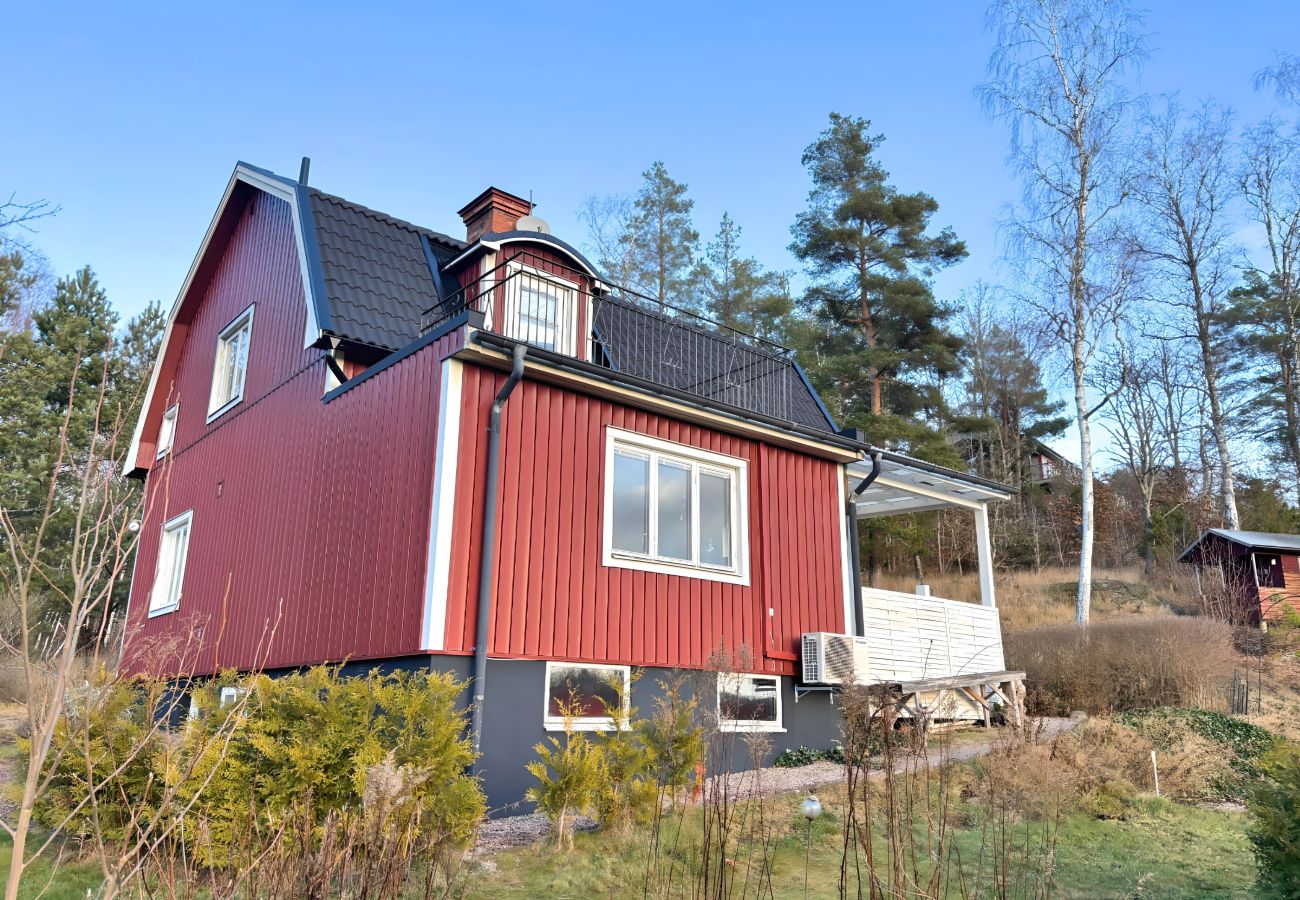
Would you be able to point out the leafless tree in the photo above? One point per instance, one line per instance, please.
(1056, 75)
(1283, 77)
(1133, 419)
(102, 541)
(608, 222)
(1185, 189)
(16, 217)
(1270, 182)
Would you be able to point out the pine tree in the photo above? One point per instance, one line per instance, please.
(871, 257)
(737, 292)
(661, 242)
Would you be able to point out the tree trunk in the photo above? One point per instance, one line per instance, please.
(1218, 425)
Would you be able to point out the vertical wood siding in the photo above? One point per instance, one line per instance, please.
(1274, 601)
(554, 599)
(310, 526)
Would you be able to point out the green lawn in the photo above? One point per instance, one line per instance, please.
(1165, 849)
(71, 882)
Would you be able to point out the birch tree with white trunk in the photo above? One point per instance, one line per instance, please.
(1057, 76)
(1184, 191)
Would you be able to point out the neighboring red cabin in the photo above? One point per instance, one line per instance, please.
(315, 445)
(1257, 573)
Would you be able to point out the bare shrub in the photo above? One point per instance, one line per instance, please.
(1123, 664)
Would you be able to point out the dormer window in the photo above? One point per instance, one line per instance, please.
(541, 310)
(231, 364)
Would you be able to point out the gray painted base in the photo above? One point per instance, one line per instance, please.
(514, 706)
(515, 702)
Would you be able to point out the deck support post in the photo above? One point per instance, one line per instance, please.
(984, 551)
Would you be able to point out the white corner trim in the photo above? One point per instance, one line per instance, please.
(437, 572)
(846, 554)
(276, 188)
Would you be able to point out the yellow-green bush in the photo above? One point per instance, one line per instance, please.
(1275, 833)
(308, 742)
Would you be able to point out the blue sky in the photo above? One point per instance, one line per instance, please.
(131, 116)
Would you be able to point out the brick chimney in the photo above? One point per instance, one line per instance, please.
(492, 211)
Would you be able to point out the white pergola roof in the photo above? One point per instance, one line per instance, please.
(907, 485)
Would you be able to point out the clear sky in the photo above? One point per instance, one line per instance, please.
(131, 116)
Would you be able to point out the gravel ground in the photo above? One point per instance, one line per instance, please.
(512, 832)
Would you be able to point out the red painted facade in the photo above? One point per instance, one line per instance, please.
(554, 598)
(310, 532)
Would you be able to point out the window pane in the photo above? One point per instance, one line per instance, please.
(589, 692)
(538, 316)
(715, 519)
(631, 503)
(674, 510)
(747, 698)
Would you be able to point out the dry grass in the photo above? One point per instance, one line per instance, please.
(1046, 597)
(1124, 664)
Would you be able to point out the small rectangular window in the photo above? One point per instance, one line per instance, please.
(749, 702)
(230, 696)
(588, 691)
(173, 549)
(540, 309)
(231, 364)
(675, 509)
(167, 430)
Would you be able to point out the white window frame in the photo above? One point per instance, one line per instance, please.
(751, 724)
(566, 338)
(698, 460)
(171, 593)
(167, 430)
(583, 723)
(229, 695)
(242, 321)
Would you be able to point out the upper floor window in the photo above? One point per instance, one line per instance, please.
(167, 430)
(540, 310)
(674, 509)
(173, 549)
(231, 364)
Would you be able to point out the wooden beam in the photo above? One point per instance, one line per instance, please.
(975, 678)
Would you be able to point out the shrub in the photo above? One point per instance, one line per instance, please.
(1245, 743)
(627, 790)
(303, 766)
(1275, 833)
(569, 775)
(673, 737)
(806, 756)
(1123, 664)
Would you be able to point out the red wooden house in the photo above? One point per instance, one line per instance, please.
(1258, 573)
(370, 442)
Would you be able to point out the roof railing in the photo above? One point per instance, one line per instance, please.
(543, 303)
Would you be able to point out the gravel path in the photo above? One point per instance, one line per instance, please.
(512, 832)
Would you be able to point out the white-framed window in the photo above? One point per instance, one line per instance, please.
(173, 548)
(229, 696)
(749, 702)
(540, 309)
(590, 690)
(231, 364)
(167, 430)
(675, 509)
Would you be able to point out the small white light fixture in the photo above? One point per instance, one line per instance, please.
(812, 807)
(133, 526)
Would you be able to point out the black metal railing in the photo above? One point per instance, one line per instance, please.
(534, 300)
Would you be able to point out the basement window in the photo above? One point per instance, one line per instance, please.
(749, 702)
(231, 364)
(589, 691)
(674, 509)
(173, 550)
(167, 430)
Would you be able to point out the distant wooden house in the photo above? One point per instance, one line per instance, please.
(1041, 463)
(1258, 572)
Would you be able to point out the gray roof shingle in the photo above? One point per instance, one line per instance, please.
(378, 285)
(377, 277)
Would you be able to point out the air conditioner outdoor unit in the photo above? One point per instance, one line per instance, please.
(830, 658)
